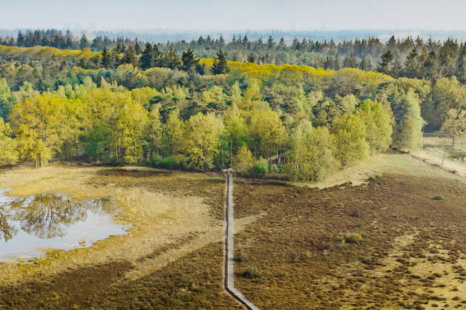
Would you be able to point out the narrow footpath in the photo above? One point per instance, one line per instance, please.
(229, 263)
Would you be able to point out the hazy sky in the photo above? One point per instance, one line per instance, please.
(238, 14)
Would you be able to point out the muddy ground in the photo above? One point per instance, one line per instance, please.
(395, 242)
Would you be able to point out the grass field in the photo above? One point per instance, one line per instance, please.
(384, 243)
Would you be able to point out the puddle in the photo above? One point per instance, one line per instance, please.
(31, 225)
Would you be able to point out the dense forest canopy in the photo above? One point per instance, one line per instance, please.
(165, 106)
(401, 57)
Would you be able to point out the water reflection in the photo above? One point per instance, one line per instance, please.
(7, 231)
(47, 216)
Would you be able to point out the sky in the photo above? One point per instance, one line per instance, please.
(231, 15)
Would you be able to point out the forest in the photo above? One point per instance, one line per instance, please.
(208, 105)
(401, 57)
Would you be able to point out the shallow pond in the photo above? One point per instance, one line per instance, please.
(33, 224)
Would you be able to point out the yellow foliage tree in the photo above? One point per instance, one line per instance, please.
(202, 140)
(8, 152)
(350, 139)
(267, 133)
(378, 125)
(38, 123)
(243, 160)
(131, 125)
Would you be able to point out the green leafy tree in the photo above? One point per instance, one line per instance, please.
(409, 130)
(131, 127)
(243, 161)
(378, 125)
(311, 158)
(350, 139)
(267, 133)
(202, 141)
(454, 124)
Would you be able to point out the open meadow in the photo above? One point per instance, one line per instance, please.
(396, 240)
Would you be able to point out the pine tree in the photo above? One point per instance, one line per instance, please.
(171, 59)
(251, 58)
(270, 43)
(221, 41)
(156, 57)
(336, 63)
(189, 60)
(220, 65)
(328, 63)
(350, 61)
(432, 68)
(384, 64)
(397, 68)
(282, 42)
(83, 43)
(20, 39)
(106, 58)
(137, 48)
(245, 40)
(421, 61)
(461, 71)
(412, 65)
(130, 57)
(365, 64)
(146, 58)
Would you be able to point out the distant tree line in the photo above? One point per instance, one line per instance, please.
(408, 57)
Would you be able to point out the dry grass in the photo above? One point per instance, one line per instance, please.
(157, 219)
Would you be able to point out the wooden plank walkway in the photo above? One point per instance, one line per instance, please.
(229, 273)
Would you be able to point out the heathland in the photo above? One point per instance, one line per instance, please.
(334, 206)
(395, 240)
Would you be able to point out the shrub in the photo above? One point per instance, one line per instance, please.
(438, 197)
(261, 166)
(328, 246)
(169, 162)
(253, 272)
(353, 238)
(275, 169)
(156, 160)
(241, 257)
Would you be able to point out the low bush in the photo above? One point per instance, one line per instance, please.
(253, 272)
(261, 166)
(353, 238)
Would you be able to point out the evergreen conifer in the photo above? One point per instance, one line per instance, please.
(220, 65)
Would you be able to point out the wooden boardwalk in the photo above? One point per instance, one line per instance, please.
(229, 272)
